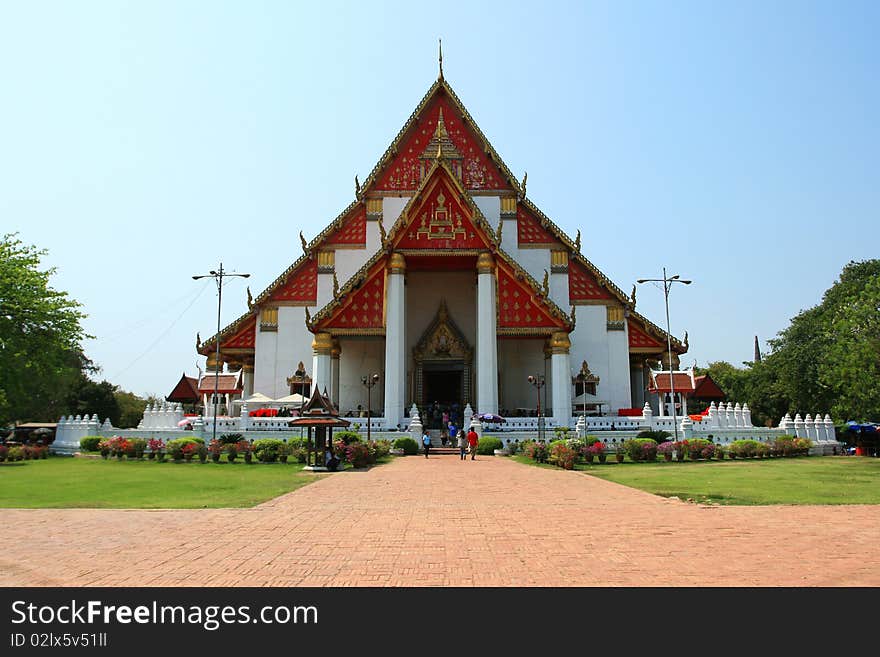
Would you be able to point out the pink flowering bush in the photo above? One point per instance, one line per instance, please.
(536, 451)
(562, 455)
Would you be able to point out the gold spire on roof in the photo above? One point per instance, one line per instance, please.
(302, 240)
(357, 187)
(441, 58)
(250, 298)
(577, 241)
(525, 178)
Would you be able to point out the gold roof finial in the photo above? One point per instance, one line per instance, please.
(525, 178)
(441, 58)
(577, 241)
(498, 231)
(545, 284)
(335, 284)
(632, 297)
(250, 300)
(357, 187)
(685, 341)
(198, 341)
(308, 319)
(383, 236)
(574, 319)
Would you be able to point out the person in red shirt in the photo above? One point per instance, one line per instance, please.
(473, 439)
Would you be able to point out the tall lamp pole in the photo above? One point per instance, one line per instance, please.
(369, 381)
(538, 382)
(218, 278)
(582, 377)
(667, 284)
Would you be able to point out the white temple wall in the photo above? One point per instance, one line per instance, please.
(619, 386)
(589, 342)
(278, 353)
(392, 206)
(509, 240)
(535, 261)
(265, 360)
(490, 206)
(325, 289)
(361, 356)
(517, 359)
(559, 292)
(349, 261)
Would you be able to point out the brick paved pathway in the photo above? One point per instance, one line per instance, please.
(444, 522)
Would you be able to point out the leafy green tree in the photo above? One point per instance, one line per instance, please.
(40, 337)
(131, 409)
(88, 397)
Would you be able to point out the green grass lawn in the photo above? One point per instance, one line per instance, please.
(64, 482)
(802, 480)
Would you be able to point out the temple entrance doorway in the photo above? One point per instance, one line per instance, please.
(443, 361)
(442, 393)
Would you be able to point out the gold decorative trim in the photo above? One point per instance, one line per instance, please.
(485, 263)
(322, 344)
(374, 206)
(396, 263)
(525, 332)
(559, 343)
(355, 331)
(594, 302)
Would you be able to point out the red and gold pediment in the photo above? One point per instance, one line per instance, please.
(519, 304)
(361, 308)
(640, 339)
(244, 337)
(530, 232)
(440, 219)
(352, 233)
(300, 285)
(583, 285)
(408, 165)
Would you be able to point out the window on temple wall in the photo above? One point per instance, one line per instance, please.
(615, 318)
(269, 319)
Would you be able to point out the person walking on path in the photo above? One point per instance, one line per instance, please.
(462, 445)
(473, 439)
(426, 443)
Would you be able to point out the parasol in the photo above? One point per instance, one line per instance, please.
(491, 418)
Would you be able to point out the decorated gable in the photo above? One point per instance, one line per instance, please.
(362, 307)
(519, 306)
(352, 233)
(408, 165)
(300, 287)
(530, 232)
(638, 338)
(244, 337)
(583, 285)
(439, 219)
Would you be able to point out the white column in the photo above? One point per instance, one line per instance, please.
(247, 376)
(395, 341)
(487, 339)
(560, 373)
(321, 346)
(334, 373)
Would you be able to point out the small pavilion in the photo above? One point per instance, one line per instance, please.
(319, 417)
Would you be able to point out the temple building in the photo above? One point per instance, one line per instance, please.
(446, 280)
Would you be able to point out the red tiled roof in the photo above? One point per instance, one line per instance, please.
(226, 383)
(681, 380)
(706, 388)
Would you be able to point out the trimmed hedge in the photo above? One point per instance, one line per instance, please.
(90, 443)
(488, 445)
(407, 444)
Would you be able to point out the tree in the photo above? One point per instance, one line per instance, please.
(131, 409)
(40, 337)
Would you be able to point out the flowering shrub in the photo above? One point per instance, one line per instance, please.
(695, 447)
(802, 445)
(666, 448)
(4, 452)
(562, 455)
(380, 447)
(156, 445)
(189, 450)
(641, 449)
(597, 448)
(536, 451)
(358, 454)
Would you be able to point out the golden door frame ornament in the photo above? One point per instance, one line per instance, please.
(441, 344)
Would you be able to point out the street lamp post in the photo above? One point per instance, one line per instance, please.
(369, 381)
(538, 382)
(667, 284)
(301, 374)
(218, 278)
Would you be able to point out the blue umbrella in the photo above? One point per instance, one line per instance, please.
(491, 418)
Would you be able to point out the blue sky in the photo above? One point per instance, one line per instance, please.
(734, 143)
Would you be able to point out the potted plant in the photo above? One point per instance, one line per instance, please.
(231, 453)
(215, 448)
(189, 450)
(203, 454)
(620, 454)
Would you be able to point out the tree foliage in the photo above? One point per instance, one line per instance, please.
(827, 360)
(40, 337)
